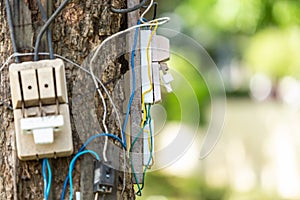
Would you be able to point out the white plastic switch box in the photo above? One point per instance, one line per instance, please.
(41, 112)
(167, 79)
(156, 82)
(160, 49)
(47, 85)
(29, 87)
(42, 128)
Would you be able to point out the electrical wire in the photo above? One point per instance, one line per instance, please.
(130, 151)
(47, 183)
(101, 84)
(149, 73)
(11, 29)
(127, 10)
(151, 150)
(49, 35)
(141, 185)
(100, 135)
(49, 177)
(105, 90)
(72, 164)
(146, 11)
(45, 179)
(159, 21)
(96, 196)
(82, 149)
(45, 27)
(155, 4)
(104, 124)
(136, 34)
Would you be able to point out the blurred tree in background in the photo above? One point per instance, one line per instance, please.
(244, 37)
(263, 34)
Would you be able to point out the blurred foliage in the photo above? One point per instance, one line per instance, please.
(189, 84)
(260, 35)
(175, 188)
(255, 31)
(275, 52)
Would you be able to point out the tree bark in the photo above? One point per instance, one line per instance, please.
(77, 30)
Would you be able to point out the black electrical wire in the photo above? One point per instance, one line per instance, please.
(127, 10)
(45, 27)
(155, 4)
(49, 35)
(11, 29)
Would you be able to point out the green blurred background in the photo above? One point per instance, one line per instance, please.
(256, 46)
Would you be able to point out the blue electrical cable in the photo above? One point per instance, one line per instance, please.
(72, 167)
(81, 149)
(47, 183)
(136, 34)
(101, 135)
(49, 177)
(45, 178)
(62, 197)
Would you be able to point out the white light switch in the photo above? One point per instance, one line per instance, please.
(41, 112)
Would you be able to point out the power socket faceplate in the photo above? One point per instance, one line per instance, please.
(41, 112)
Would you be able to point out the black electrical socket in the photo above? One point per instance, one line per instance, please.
(104, 177)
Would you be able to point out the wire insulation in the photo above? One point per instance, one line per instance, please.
(136, 34)
(148, 121)
(45, 27)
(145, 12)
(5, 64)
(11, 29)
(159, 21)
(81, 150)
(47, 181)
(72, 164)
(127, 10)
(49, 34)
(149, 73)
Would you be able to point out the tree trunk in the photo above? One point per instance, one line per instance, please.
(77, 30)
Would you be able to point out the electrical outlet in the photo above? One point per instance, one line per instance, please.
(41, 112)
(104, 177)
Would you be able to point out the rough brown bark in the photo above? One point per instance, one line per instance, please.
(79, 28)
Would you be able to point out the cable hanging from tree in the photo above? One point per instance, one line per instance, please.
(127, 10)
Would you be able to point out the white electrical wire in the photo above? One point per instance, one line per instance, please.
(98, 81)
(6, 62)
(96, 196)
(159, 21)
(103, 122)
(145, 12)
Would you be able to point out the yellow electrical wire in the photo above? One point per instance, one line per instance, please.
(149, 73)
